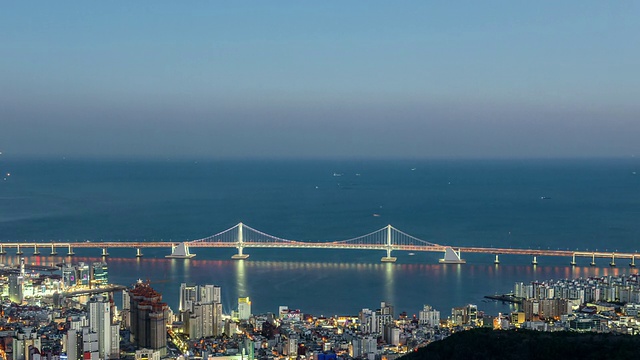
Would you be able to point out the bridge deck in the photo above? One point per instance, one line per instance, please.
(318, 245)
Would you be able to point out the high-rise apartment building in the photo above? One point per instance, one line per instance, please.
(192, 293)
(25, 339)
(188, 296)
(16, 288)
(101, 322)
(149, 317)
(244, 308)
(429, 317)
(201, 309)
(90, 344)
(99, 274)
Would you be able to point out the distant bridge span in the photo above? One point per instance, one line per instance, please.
(241, 236)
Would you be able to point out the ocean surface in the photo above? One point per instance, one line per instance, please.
(547, 204)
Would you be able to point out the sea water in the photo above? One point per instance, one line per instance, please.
(546, 204)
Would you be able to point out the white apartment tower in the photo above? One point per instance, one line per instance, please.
(100, 322)
(244, 308)
(429, 317)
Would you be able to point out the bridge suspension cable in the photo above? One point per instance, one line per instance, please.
(230, 235)
(377, 237)
(406, 239)
(256, 233)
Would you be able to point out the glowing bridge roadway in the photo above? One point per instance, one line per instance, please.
(386, 239)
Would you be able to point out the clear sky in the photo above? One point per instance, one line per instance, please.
(346, 79)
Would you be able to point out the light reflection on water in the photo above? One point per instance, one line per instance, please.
(331, 288)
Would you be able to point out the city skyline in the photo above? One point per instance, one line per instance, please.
(464, 80)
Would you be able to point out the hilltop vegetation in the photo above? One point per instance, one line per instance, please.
(524, 345)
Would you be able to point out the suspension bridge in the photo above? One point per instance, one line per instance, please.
(386, 239)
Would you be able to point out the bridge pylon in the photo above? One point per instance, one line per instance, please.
(180, 251)
(70, 251)
(240, 245)
(452, 257)
(389, 247)
(613, 260)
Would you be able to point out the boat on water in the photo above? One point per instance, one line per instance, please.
(411, 254)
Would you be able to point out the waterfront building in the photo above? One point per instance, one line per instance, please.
(188, 296)
(545, 309)
(368, 322)
(84, 274)
(429, 316)
(518, 318)
(244, 308)
(191, 294)
(68, 275)
(373, 322)
(465, 315)
(286, 314)
(209, 294)
(99, 274)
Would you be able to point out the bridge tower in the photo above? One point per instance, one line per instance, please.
(451, 256)
(180, 251)
(240, 245)
(389, 247)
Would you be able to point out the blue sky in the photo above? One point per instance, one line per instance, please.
(325, 79)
